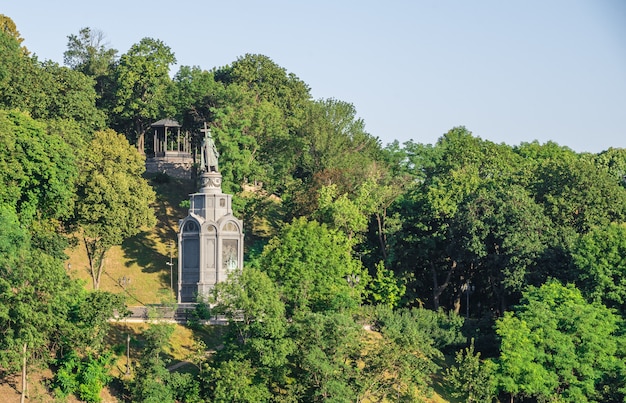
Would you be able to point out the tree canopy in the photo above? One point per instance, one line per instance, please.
(368, 269)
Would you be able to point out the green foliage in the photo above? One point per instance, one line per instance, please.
(424, 329)
(45, 90)
(70, 95)
(201, 312)
(8, 27)
(87, 53)
(151, 381)
(385, 288)
(141, 84)
(90, 319)
(185, 388)
(257, 330)
(20, 86)
(579, 195)
(235, 381)
(113, 200)
(400, 364)
(260, 75)
(557, 344)
(35, 295)
(150, 385)
(313, 267)
(340, 212)
(613, 161)
(600, 258)
(84, 378)
(471, 379)
(498, 235)
(326, 367)
(37, 170)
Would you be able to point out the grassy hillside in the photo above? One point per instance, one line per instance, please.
(139, 267)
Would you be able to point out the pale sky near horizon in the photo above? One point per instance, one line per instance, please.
(509, 71)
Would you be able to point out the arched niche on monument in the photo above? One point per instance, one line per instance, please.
(231, 245)
(231, 226)
(190, 270)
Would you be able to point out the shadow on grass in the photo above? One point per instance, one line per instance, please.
(143, 251)
(153, 249)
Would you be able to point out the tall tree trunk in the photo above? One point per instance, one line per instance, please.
(96, 260)
(141, 134)
(24, 387)
(457, 303)
(381, 236)
(438, 289)
(99, 270)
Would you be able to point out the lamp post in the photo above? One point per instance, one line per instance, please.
(128, 354)
(467, 287)
(171, 264)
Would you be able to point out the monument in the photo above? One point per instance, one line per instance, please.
(210, 238)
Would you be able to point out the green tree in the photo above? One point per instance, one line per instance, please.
(194, 94)
(600, 259)
(141, 81)
(497, 236)
(45, 90)
(471, 378)
(84, 378)
(8, 27)
(326, 359)
(113, 200)
(447, 176)
(37, 169)
(272, 83)
(400, 363)
(70, 94)
(89, 53)
(257, 323)
(332, 147)
(314, 268)
(235, 381)
(342, 213)
(89, 315)
(256, 342)
(558, 345)
(35, 295)
(151, 380)
(613, 161)
(578, 195)
(255, 116)
(19, 79)
(386, 288)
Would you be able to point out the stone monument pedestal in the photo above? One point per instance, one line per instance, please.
(210, 240)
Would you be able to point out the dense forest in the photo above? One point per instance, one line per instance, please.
(458, 271)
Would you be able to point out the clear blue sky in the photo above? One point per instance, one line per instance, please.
(510, 71)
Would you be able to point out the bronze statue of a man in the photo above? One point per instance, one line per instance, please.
(209, 154)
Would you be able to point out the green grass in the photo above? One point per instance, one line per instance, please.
(138, 268)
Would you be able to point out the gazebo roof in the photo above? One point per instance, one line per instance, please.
(165, 123)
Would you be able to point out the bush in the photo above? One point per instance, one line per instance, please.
(84, 377)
